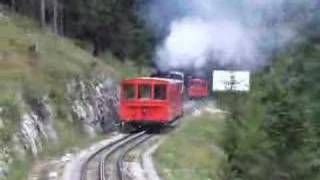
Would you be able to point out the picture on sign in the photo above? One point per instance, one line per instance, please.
(231, 81)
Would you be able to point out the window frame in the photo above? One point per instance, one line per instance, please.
(198, 84)
(139, 94)
(125, 90)
(165, 94)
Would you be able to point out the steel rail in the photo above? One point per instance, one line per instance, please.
(125, 154)
(84, 166)
(115, 148)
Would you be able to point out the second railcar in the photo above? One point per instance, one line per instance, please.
(198, 88)
(147, 101)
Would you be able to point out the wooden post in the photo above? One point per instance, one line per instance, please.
(13, 5)
(55, 16)
(43, 12)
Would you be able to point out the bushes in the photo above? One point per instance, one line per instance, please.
(273, 132)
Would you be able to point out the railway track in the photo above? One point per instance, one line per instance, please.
(107, 163)
(122, 174)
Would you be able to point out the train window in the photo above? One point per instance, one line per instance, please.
(129, 91)
(198, 84)
(176, 76)
(195, 84)
(160, 92)
(144, 91)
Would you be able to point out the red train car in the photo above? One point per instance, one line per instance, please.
(198, 88)
(150, 101)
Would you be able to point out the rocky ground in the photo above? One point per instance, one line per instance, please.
(93, 108)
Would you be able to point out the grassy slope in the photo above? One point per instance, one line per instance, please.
(55, 62)
(30, 74)
(36, 73)
(125, 69)
(192, 152)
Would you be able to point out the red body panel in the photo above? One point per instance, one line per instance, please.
(198, 88)
(161, 108)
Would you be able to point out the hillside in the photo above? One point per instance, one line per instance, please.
(37, 58)
(48, 92)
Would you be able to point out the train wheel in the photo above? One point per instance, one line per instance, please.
(128, 128)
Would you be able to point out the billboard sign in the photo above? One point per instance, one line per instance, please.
(231, 81)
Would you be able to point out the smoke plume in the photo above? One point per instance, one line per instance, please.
(236, 33)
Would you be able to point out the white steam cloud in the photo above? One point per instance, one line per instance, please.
(235, 33)
(194, 41)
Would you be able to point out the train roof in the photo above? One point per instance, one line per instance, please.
(153, 79)
(197, 79)
(177, 73)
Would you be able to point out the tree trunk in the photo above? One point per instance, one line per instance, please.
(61, 21)
(55, 16)
(13, 5)
(95, 48)
(43, 12)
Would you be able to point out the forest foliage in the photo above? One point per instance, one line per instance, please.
(107, 24)
(273, 132)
